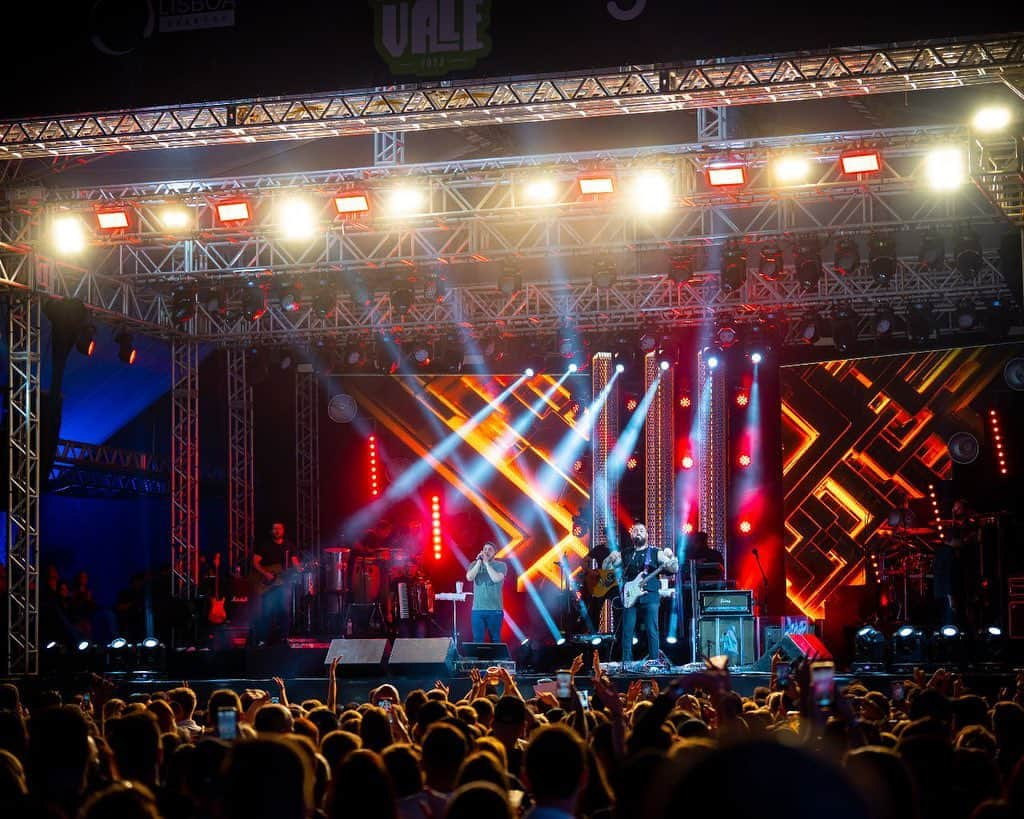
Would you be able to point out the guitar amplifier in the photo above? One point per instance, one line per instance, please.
(736, 601)
(732, 635)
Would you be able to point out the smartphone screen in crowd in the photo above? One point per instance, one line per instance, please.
(823, 683)
(227, 723)
(563, 681)
(584, 699)
(646, 690)
(782, 674)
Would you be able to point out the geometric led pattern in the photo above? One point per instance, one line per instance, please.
(858, 435)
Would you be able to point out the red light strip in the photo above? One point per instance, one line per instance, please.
(435, 524)
(997, 437)
(374, 486)
(936, 517)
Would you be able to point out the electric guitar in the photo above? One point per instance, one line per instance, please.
(217, 615)
(598, 582)
(633, 590)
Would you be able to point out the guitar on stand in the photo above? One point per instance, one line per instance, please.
(217, 615)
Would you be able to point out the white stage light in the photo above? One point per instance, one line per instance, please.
(652, 192)
(540, 191)
(991, 118)
(944, 168)
(406, 201)
(298, 221)
(68, 234)
(791, 170)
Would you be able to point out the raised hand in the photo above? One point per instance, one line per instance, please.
(577, 664)
(334, 667)
(597, 665)
(440, 685)
(548, 698)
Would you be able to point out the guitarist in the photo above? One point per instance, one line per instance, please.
(271, 556)
(635, 559)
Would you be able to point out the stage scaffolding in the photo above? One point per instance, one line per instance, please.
(23, 353)
(712, 452)
(659, 455)
(307, 461)
(604, 500)
(240, 462)
(184, 468)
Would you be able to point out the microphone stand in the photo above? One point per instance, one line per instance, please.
(764, 580)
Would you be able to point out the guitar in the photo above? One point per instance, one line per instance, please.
(598, 582)
(633, 590)
(217, 615)
(261, 583)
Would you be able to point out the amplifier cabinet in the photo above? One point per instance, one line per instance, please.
(732, 635)
(735, 601)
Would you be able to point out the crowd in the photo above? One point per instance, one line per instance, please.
(934, 751)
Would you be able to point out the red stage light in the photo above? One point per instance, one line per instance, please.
(596, 185)
(742, 399)
(720, 176)
(111, 219)
(351, 202)
(685, 402)
(233, 213)
(997, 439)
(374, 486)
(435, 514)
(632, 462)
(746, 527)
(631, 404)
(744, 461)
(687, 462)
(861, 162)
(578, 465)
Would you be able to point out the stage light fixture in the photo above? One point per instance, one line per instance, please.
(436, 288)
(996, 319)
(510, 280)
(869, 649)
(944, 169)
(743, 461)
(882, 262)
(573, 367)
(746, 527)
(967, 253)
(756, 358)
(989, 646)
(175, 217)
(349, 203)
(682, 266)
(733, 272)
(596, 185)
(932, 255)
(620, 368)
(324, 302)
(632, 463)
(125, 347)
(529, 372)
(651, 192)
(117, 644)
(844, 328)
(85, 343)
(909, 649)
(289, 295)
(358, 288)
(685, 402)
(846, 256)
(920, 321)
(949, 646)
(183, 305)
(648, 342)
(991, 118)
(722, 175)
(111, 220)
(965, 315)
(809, 329)
(885, 321)
(632, 402)
(857, 162)
(713, 360)
(791, 170)
(68, 235)
(742, 398)
(687, 462)
(420, 354)
(254, 301)
(770, 265)
(233, 213)
(297, 218)
(726, 334)
(402, 297)
(664, 365)
(406, 201)
(603, 274)
(540, 191)
(214, 300)
(807, 256)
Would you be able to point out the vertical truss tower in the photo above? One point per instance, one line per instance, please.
(307, 460)
(184, 468)
(659, 456)
(711, 448)
(240, 463)
(604, 502)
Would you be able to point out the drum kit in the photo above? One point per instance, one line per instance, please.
(903, 561)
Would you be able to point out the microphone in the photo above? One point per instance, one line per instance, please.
(754, 552)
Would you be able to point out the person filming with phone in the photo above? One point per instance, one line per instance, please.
(487, 576)
(641, 564)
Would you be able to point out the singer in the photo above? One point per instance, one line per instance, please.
(487, 576)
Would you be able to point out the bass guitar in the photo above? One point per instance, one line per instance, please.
(633, 590)
(218, 614)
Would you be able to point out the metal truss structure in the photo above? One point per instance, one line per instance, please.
(96, 469)
(184, 468)
(659, 456)
(641, 89)
(712, 453)
(604, 503)
(307, 460)
(389, 148)
(241, 481)
(23, 354)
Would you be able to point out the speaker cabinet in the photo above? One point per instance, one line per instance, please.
(359, 655)
(732, 636)
(422, 655)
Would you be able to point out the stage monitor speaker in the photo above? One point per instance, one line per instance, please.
(421, 655)
(485, 651)
(360, 654)
(732, 636)
(794, 647)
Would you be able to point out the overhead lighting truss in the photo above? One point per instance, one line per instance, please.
(634, 90)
